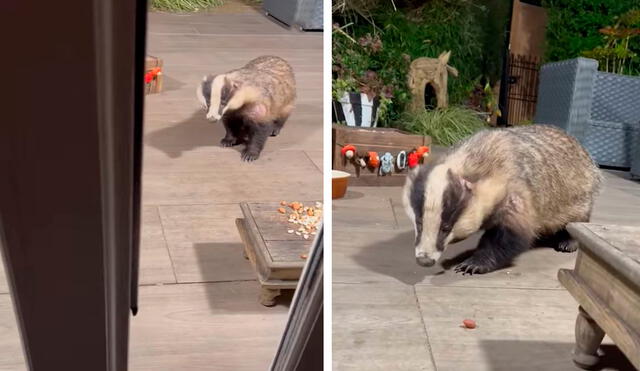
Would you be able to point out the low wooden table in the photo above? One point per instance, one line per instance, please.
(276, 256)
(606, 285)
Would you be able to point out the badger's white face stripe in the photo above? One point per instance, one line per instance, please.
(406, 201)
(431, 221)
(214, 102)
(200, 95)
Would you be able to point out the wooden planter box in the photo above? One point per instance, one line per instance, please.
(154, 86)
(380, 140)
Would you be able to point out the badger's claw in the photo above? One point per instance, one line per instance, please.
(569, 245)
(472, 266)
(229, 142)
(249, 155)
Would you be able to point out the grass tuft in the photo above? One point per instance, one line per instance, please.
(184, 5)
(445, 126)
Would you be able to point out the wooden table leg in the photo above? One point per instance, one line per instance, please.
(588, 338)
(268, 296)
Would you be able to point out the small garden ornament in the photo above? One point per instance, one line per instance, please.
(422, 152)
(151, 75)
(433, 72)
(386, 164)
(360, 161)
(401, 160)
(348, 151)
(373, 160)
(412, 160)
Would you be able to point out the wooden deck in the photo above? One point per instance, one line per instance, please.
(390, 313)
(199, 306)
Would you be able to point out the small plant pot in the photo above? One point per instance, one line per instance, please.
(339, 182)
(356, 109)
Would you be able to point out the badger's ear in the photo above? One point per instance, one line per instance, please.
(465, 184)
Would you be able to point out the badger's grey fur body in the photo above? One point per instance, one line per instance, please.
(253, 102)
(519, 185)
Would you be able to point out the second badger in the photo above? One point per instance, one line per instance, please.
(519, 185)
(253, 102)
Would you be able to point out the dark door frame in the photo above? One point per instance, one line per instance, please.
(70, 159)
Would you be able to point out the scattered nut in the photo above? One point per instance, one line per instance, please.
(469, 323)
(303, 256)
(306, 218)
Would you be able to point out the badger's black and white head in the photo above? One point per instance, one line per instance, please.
(215, 92)
(435, 199)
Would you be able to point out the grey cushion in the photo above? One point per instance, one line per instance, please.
(600, 109)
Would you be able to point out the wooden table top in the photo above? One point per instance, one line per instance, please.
(272, 226)
(618, 246)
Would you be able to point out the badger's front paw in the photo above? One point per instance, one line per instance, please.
(474, 265)
(228, 142)
(568, 245)
(249, 155)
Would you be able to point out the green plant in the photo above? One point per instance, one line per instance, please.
(615, 55)
(385, 36)
(184, 5)
(490, 101)
(525, 123)
(573, 25)
(445, 126)
(341, 86)
(352, 61)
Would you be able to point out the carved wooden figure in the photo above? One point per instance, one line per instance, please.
(430, 74)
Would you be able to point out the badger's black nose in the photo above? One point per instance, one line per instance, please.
(425, 261)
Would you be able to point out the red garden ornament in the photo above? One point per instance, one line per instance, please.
(348, 151)
(374, 160)
(413, 159)
(422, 151)
(151, 75)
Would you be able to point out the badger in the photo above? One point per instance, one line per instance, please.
(518, 185)
(253, 102)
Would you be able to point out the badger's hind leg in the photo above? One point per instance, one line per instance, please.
(507, 237)
(560, 241)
